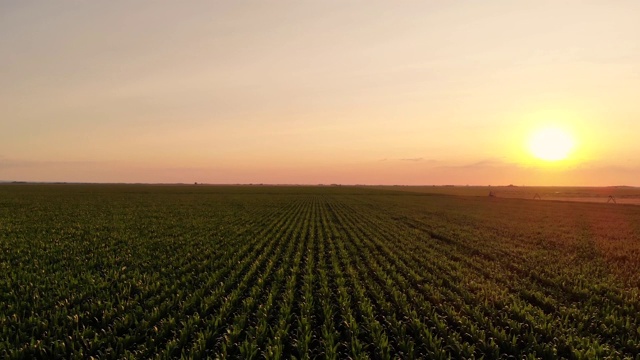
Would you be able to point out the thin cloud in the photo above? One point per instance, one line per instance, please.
(11, 163)
(6, 163)
(419, 159)
(486, 163)
(415, 159)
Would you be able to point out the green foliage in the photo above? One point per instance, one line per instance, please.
(171, 272)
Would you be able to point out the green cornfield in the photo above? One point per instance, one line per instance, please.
(253, 272)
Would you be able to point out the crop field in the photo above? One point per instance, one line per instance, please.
(138, 271)
(621, 194)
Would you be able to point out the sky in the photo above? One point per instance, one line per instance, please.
(309, 92)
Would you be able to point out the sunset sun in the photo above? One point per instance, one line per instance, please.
(551, 144)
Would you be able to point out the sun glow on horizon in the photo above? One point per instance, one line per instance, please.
(551, 144)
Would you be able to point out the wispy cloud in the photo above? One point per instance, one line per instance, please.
(413, 159)
(6, 163)
(485, 163)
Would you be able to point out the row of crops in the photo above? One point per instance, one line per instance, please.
(116, 272)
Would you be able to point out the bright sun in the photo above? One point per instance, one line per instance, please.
(551, 144)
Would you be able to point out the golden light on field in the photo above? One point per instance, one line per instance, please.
(551, 144)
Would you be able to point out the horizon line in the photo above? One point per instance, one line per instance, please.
(25, 182)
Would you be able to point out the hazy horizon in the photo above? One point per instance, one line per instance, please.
(290, 92)
(308, 184)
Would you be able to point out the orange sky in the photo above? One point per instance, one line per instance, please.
(375, 92)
